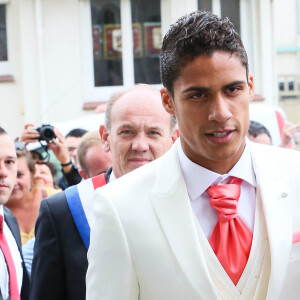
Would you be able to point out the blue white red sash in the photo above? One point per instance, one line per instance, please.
(81, 202)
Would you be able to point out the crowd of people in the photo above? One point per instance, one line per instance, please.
(94, 222)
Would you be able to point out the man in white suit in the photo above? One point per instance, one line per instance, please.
(154, 235)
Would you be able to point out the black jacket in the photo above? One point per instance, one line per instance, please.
(60, 256)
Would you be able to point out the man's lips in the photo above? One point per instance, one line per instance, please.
(3, 186)
(220, 136)
(139, 160)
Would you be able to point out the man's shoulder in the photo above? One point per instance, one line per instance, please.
(55, 203)
(276, 158)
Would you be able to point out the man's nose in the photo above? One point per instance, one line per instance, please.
(140, 143)
(3, 170)
(219, 109)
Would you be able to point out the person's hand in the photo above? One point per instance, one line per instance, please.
(59, 147)
(288, 134)
(29, 135)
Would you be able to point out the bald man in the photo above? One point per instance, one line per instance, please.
(137, 130)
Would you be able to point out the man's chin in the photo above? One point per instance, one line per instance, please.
(3, 199)
(136, 164)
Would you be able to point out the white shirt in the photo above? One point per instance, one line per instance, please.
(198, 179)
(112, 177)
(4, 279)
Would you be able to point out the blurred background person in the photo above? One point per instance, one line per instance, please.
(258, 133)
(289, 135)
(92, 158)
(43, 177)
(25, 201)
(64, 148)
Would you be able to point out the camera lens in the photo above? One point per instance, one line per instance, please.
(47, 133)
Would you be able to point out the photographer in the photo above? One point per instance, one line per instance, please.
(64, 148)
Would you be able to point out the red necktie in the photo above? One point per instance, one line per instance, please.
(13, 283)
(231, 239)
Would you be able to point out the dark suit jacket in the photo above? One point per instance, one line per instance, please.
(12, 223)
(60, 256)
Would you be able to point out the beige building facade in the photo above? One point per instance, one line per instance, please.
(60, 58)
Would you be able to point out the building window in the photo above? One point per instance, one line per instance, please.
(291, 85)
(231, 9)
(224, 8)
(281, 86)
(107, 42)
(205, 5)
(3, 37)
(147, 39)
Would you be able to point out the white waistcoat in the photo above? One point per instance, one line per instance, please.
(253, 283)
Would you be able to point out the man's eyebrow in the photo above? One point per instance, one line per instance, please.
(11, 157)
(154, 127)
(196, 89)
(126, 124)
(237, 82)
(206, 89)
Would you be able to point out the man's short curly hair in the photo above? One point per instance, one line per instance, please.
(198, 33)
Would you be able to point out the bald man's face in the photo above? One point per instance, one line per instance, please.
(8, 167)
(140, 130)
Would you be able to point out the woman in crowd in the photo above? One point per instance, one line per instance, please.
(24, 201)
(43, 177)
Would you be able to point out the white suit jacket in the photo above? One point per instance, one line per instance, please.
(144, 243)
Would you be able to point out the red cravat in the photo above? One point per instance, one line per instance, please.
(13, 283)
(231, 239)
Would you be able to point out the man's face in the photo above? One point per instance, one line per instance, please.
(8, 167)
(140, 130)
(211, 103)
(72, 144)
(42, 176)
(23, 182)
(97, 161)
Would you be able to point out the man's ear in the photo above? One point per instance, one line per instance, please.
(175, 135)
(83, 174)
(167, 101)
(104, 138)
(251, 86)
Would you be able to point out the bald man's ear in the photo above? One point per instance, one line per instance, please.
(175, 135)
(104, 138)
(83, 174)
(167, 100)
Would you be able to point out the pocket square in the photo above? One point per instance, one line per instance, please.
(296, 237)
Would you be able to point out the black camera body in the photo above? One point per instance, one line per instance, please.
(46, 132)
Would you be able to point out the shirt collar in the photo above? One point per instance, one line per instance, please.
(112, 176)
(192, 172)
(1, 210)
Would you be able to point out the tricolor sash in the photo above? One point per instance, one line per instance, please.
(80, 201)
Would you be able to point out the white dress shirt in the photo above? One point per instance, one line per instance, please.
(198, 179)
(112, 177)
(4, 279)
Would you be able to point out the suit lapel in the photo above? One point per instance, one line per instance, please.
(171, 204)
(12, 223)
(274, 189)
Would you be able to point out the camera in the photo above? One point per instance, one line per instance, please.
(46, 132)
